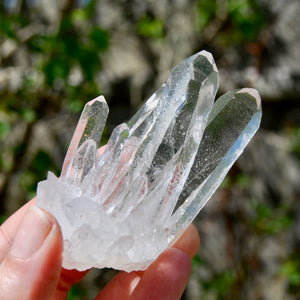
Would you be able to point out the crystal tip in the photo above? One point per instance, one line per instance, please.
(97, 99)
(254, 93)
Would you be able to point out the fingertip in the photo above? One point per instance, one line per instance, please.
(177, 261)
(166, 278)
(189, 242)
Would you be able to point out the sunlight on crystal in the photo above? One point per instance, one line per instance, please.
(122, 207)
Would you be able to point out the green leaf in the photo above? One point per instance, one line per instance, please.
(79, 15)
(56, 68)
(4, 129)
(269, 220)
(222, 283)
(291, 270)
(206, 10)
(248, 19)
(75, 105)
(29, 115)
(100, 38)
(149, 27)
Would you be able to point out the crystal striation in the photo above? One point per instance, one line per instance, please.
(120, 206)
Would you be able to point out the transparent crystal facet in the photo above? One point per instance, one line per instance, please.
(122, 206)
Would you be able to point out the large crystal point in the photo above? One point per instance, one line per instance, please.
(233, 121)
(124, 204)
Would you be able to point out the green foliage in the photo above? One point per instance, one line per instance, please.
(76, 293)
(270, 220)
(240, 180)
(75, 105)
(37, 171)
(197, 261)
(70, 47)
(150, 27)
(74, 44)
(11, 23)
(99, 38)
(242, 20)
(59, 51)
(206, 10)
(290, 269)
(28, 115)
(222, 283)
(5, 164)
(219, 284)
(4, 129)
(226, 183)
(247, 18)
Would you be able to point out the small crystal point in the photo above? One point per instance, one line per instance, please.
(122, 207)
(90, 126)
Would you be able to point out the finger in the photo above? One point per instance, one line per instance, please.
(120, 287)
(9, 228)
(66, 280)
(8, 231)
(32, 266)
(124, 283)
(166, 278)
(189, 242)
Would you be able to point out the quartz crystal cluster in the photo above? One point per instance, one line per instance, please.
(121, 205)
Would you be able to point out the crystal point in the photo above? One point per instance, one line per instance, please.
(90, 127)
(123, 206)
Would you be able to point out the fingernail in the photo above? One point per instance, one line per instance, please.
(31, 233)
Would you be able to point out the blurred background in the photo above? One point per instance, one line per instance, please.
(57, 55)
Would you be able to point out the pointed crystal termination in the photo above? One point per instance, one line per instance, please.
(123, 206)
(232, 123)
(90, 127)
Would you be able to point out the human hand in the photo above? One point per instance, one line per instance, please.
(31, 248)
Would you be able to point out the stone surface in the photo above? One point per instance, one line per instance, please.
(122, 206)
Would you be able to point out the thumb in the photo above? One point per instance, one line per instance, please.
(32, 265)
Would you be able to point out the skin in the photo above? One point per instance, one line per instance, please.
(33, 270)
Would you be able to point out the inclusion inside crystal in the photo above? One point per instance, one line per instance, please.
(123, 206)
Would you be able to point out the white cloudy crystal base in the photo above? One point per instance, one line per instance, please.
(122, 206)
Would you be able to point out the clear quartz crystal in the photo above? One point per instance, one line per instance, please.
(122, 206)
